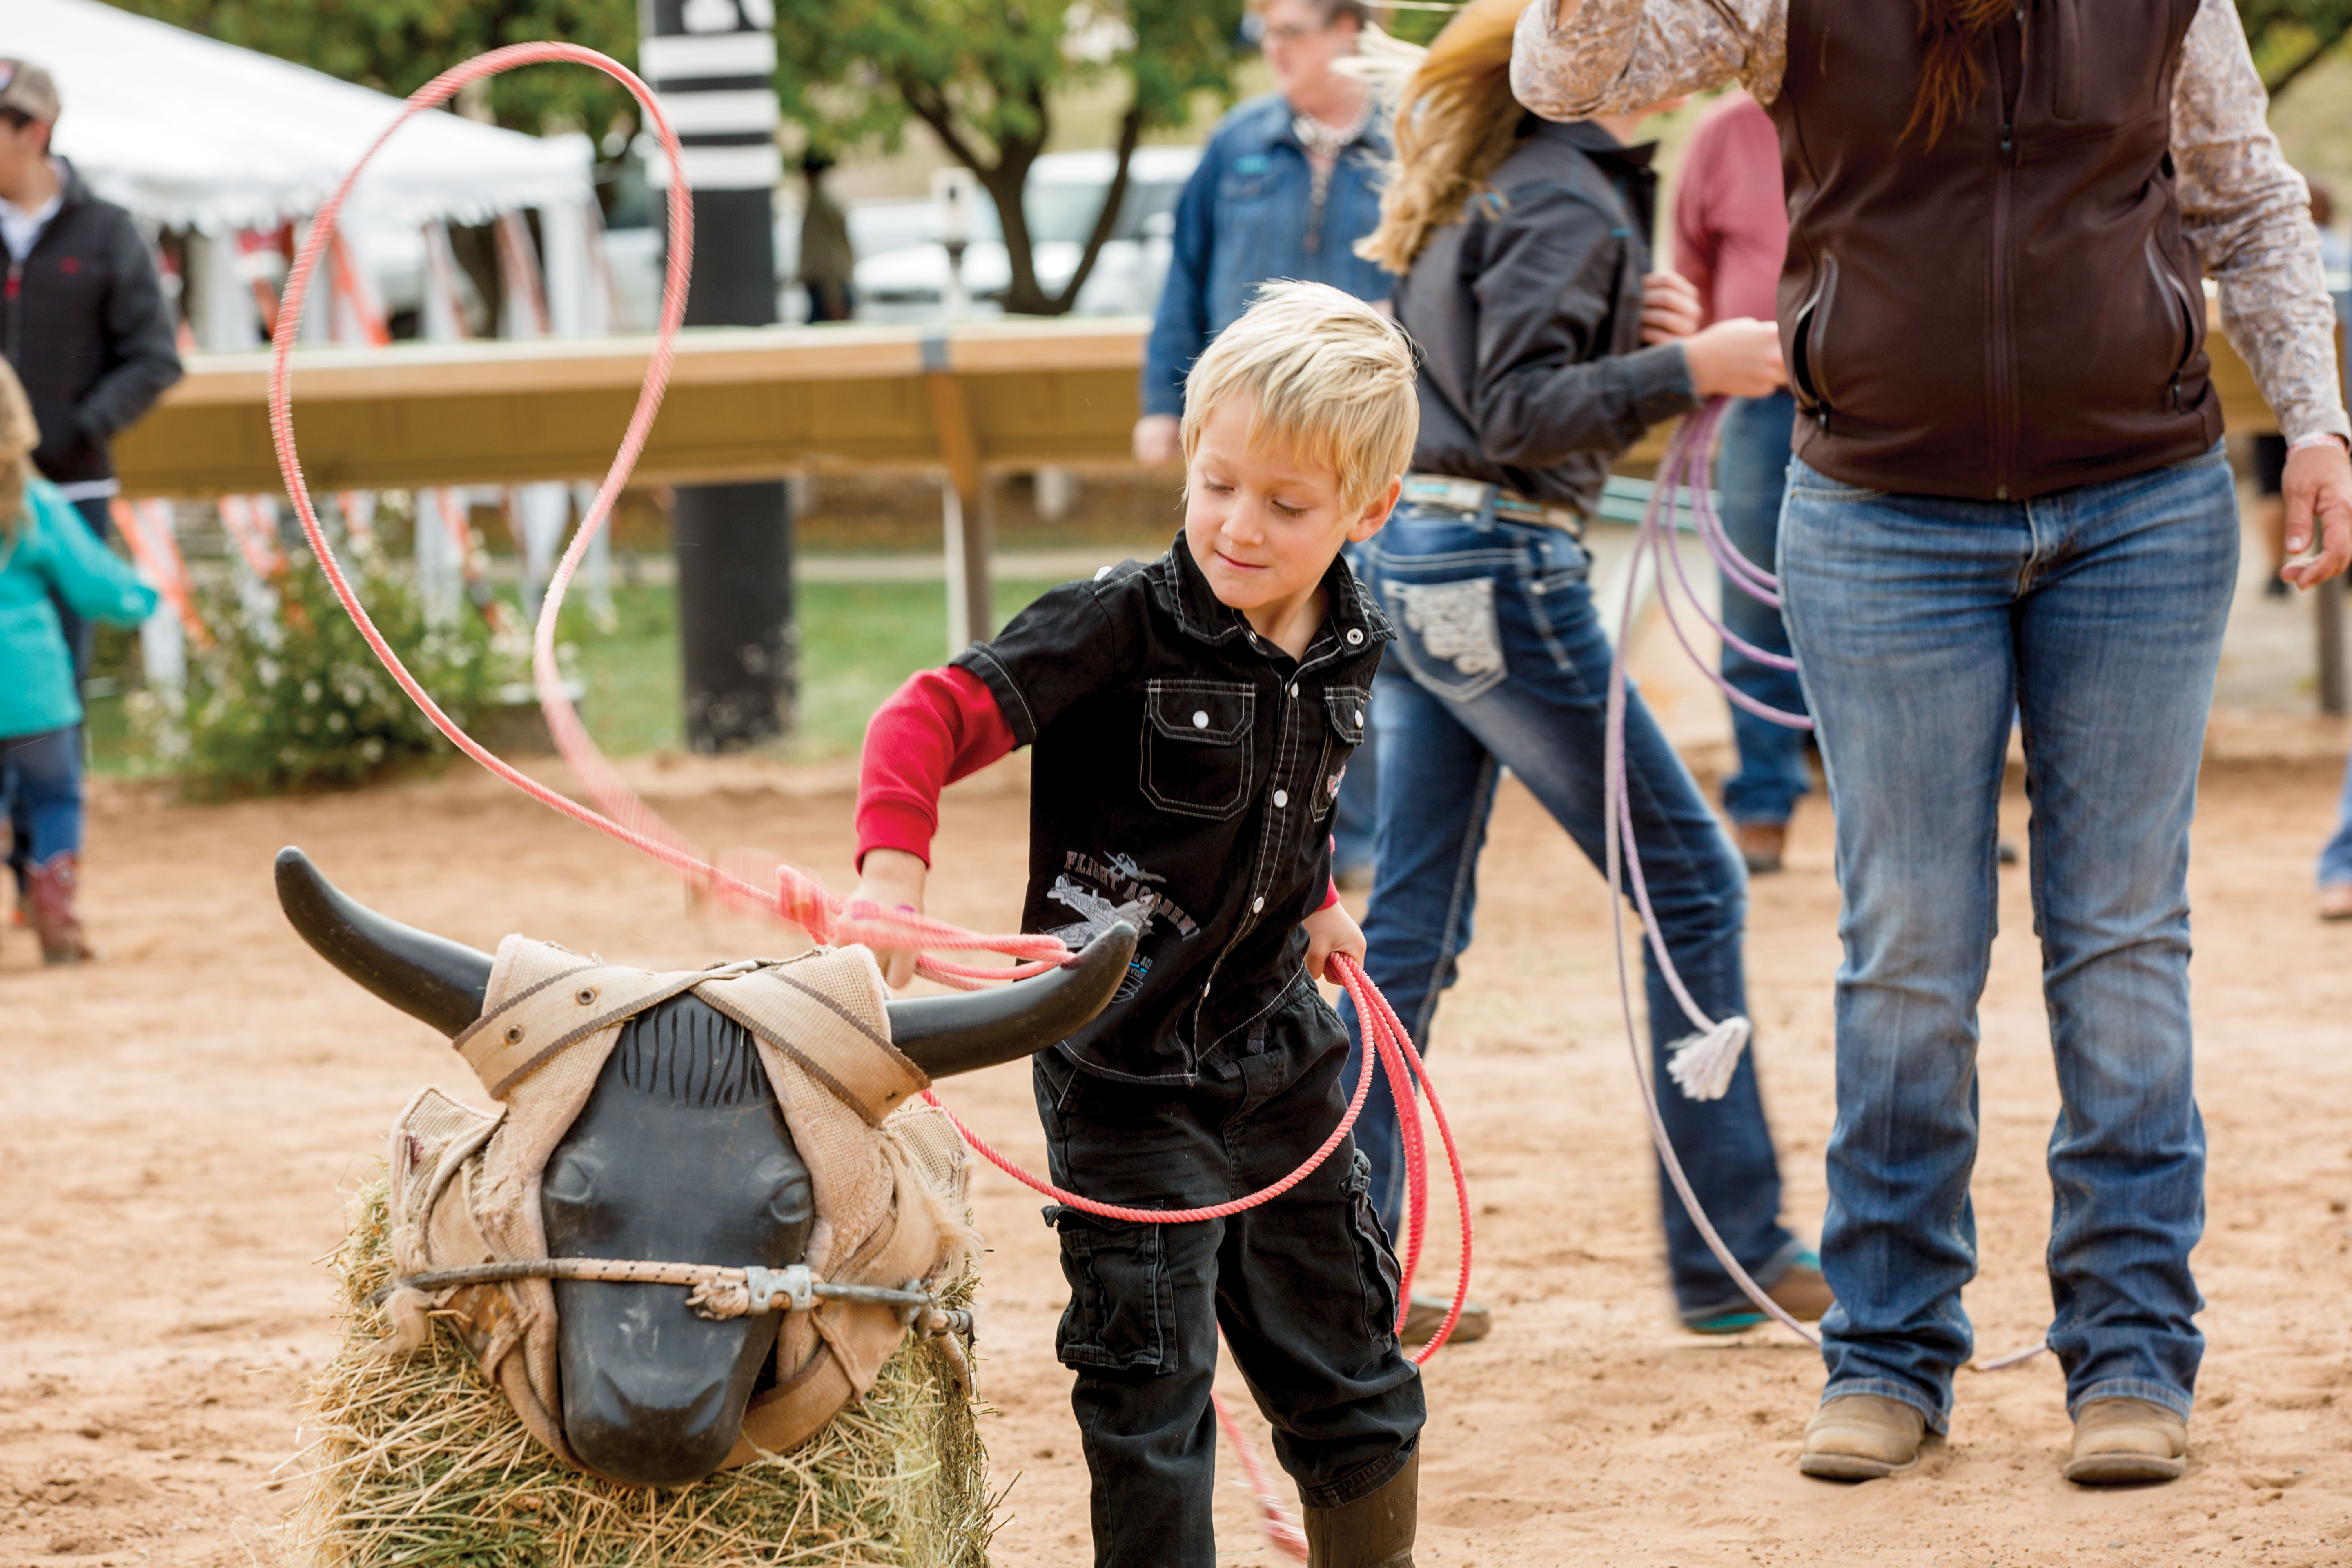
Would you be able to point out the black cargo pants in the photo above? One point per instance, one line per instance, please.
(1305, 1286)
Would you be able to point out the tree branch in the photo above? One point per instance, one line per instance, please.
(1131, 129)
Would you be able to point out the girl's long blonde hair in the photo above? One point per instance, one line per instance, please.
(1455, 120)
(18, 436)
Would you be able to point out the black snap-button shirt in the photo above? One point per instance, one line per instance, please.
(1184, 775)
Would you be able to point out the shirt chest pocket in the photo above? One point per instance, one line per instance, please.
(1198, 740)
(1345, 708)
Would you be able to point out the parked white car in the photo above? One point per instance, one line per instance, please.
(908, 280)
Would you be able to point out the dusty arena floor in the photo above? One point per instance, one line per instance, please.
(179, 1128)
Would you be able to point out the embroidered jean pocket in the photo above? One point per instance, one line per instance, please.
(1376, 1260)
(1449, 637)
(1345, 708)
(1197, 744)
(1122, 1304)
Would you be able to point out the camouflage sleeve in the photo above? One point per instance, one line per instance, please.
(1572, 60)
(2249, 216)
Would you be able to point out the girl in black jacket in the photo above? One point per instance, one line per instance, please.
(1548, 348)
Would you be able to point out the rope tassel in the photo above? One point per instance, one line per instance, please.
(1702, 1065)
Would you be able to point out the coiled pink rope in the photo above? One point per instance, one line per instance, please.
(796, 898)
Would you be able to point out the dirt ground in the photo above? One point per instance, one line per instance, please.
(180, 1126)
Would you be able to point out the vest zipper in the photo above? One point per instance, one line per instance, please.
(2004, 401)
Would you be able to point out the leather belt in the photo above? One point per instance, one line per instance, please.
(1472, 497)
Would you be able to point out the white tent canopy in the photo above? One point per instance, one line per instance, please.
(187, 131)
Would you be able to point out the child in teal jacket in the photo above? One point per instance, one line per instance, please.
(46, 546)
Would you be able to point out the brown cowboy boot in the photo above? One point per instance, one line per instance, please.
(1373, 1531)
(2123, 1440)
(1861, 1436)
(62, 941)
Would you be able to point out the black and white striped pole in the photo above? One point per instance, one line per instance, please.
(714, 62)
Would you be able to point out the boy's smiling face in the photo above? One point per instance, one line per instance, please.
(1264, 524)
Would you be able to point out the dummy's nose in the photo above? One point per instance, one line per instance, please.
(650, 1426)
(653, 1395)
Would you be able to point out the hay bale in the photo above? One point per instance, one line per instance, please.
(421, 1461)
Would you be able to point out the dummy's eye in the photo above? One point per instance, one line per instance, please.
(569, 1179)
(791, 1199)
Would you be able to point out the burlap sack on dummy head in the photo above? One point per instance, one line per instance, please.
(887, 1175)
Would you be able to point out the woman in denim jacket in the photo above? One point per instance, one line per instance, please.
(1545, 352)
(1287, 184)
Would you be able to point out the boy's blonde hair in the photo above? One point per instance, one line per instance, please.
(1330, 377)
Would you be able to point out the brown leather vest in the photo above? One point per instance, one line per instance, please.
(2012, 311)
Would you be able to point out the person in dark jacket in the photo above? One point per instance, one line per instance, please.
(83, 324)
(2010, 497)
(1543, 336)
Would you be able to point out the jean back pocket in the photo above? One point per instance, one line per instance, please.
(1448, 634)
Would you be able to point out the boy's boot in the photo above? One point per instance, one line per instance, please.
(1373, 1531)
(62, 941)
(2127, 1440)
(1861, 1436)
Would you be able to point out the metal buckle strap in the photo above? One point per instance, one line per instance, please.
(1472, 497)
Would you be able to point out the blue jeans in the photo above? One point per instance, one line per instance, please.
(40, 775)
(2336, 860)
(1751, 468)
(1501, 662)
(2098, 613)
(23, 834)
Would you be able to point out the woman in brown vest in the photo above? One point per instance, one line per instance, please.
(2009, 495)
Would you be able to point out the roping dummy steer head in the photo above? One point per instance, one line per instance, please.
(750, 1119)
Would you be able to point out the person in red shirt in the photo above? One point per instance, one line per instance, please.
(1731, 232)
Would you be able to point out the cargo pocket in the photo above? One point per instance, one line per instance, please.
(1345, 708)
(1376, 1260)
(1122, 1306)
(1449, 637)
(1197, 746)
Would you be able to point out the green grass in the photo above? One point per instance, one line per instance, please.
(858, 641)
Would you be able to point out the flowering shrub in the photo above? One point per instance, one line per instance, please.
(295, 700)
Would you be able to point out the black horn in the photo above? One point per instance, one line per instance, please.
(949, 1035)
(430, 978)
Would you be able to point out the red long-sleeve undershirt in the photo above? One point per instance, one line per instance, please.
(941, 726)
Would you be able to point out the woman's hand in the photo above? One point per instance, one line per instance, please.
(893, 880)
(1738, 358)
(2317, 488)
(1331, 929)
(1670, 307)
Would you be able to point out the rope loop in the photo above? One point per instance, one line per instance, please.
(785, 893)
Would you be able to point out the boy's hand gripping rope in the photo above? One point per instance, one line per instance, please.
(795, 898)
(1703, 1064)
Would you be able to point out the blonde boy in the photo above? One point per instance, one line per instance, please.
(1190, 719)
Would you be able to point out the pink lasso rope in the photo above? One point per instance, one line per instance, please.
(794, 896)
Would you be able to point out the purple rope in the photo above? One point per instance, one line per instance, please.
(1686, 454)
(1758, 583)
(1617, 835)
(1688, 460)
